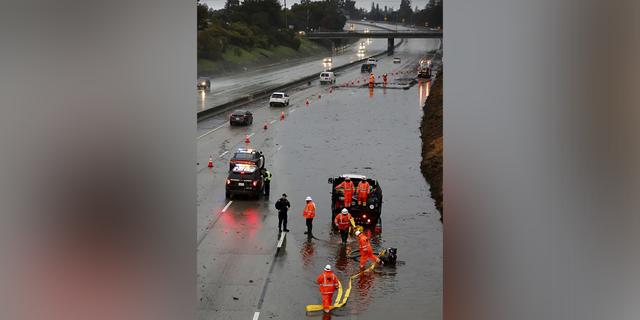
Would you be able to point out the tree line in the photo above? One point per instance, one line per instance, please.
(263, 24)
(431, 14)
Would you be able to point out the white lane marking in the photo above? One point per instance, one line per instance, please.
(223, 154)
(256, 315)
(251, 134)
(202, 136)
(280, 147)
(227, 206)
(292, 111)
(281, 239)
(273, 121)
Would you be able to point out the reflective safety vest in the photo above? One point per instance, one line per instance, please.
(372, 79)
(309, 210)
(348, 187)
(268, 176)
(343, 221)
(364, 243)
(363, 187)
(328, 282)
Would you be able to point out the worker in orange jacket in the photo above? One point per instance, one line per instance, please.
(328, 284)
(372, 79)
(363, 192)
(309, 213)
(348, 191)
(365, 250)
(343, 220)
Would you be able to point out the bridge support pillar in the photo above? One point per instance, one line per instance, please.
(390, 45)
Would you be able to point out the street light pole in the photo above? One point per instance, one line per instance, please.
(307, 20)
(286, 25)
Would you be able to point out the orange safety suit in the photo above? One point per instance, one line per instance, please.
(309, 210)
(343, 221)
(365, 250)
(363, 192)
(348, 191)
(328, 284)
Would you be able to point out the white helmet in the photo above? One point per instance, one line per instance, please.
(327, 268)
(345, 211)
(358, 232)
(308, 198)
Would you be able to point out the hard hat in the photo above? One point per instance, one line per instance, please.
(345, 210)
(308, 198)
(327, 268)
(347, 178)
(358, 232)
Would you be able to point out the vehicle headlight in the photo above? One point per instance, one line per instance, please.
(204, 83)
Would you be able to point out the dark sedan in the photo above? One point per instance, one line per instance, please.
(241, 117)
(204, 83)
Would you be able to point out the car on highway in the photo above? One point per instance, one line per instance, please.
(279, 98)
(352, 26)
(327, 60)
(241, 117)
(204, 83)
(368, 214)
(361, 45)
(244, 180)
(396, 60)
(247, 157)
(366, 30)
(366, 68)
(363, 20)
(373, 61)
(327, 77)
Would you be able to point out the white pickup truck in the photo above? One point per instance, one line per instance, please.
(373, 61)
(279, 98)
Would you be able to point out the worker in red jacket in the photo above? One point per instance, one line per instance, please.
(365, 250)
(328, 284)
(349, 188)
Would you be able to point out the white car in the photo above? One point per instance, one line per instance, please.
(366, 30)
(327, 60)
(279, 98)
(396, 60)
(327, 77)
(373, 61)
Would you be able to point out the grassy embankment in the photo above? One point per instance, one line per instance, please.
(233, 62)
(431, 135)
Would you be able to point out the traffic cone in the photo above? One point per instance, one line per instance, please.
(358, 80)
(319, 95)
(282, 117)
(400, 72)
(378, 76)
(343, 84)
(265, 125)
(247, 141)
(330, 90)
(307, 101)
(411, 70)
(351, 82)
(210, 162)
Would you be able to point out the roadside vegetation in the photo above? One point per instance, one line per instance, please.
(432, 138)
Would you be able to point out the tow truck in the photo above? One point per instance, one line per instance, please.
(424, 69)
(368, 214)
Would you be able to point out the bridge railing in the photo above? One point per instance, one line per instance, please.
(376, 32)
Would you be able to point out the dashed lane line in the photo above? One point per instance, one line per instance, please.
(213, 222)
(227, 206)
(223, 154)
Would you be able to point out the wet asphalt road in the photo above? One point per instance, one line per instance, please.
(374, 132)
(225, 88)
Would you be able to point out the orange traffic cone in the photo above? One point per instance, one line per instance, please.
(247, 141)
(210, 162)
(351, 82)
(319, 95)
(330, 90)
(307, 101)
(282, 116)
(411, 70)
(265, 125)
(358, 80)
(343, 84)
(396, 73)
(378, 76)
(400, 72)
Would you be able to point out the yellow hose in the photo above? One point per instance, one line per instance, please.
(336, 304)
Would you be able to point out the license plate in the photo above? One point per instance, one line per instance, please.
(237, 118)
(241, 184)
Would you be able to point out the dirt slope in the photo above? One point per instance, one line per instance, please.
(431, 129)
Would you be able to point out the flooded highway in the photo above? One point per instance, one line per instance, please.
(246, 270)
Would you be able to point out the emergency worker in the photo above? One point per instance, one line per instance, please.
(348, 191)
(328, 284)
(309, 213)
(372, 79)
(343, 220)
(283, 206)
(365, 250)
(363, 192)
(267, 181)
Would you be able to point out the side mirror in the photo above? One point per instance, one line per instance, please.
(330, 180)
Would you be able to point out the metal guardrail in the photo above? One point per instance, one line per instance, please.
(374, 32)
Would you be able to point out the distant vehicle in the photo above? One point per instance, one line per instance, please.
(247, 157)
(396, 60)
(361, 51)
(366, 30)
(373, 62)
(424, 69)
(371, 21)
(327, 77)
(246, 180)
(366, 68)
(412, 26)
(363, 20)
(204, 83)
(352, 26)
(327, 60)
(302, 33)
(241, 117)
(363, 215)
(279, 98)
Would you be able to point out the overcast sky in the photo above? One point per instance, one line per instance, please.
(219, 4)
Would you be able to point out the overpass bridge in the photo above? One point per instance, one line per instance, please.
(337, 36)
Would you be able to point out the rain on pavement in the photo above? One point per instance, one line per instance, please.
(374, 132)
